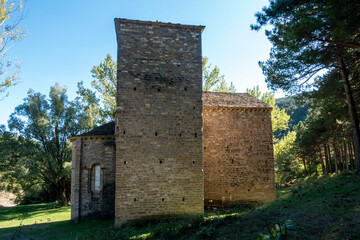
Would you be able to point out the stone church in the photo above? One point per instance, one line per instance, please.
(172, 148)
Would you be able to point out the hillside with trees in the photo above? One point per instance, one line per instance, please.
(315, 53)
(297, 111)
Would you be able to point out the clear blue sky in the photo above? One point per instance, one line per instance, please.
(65, 39)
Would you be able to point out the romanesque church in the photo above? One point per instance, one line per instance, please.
(172, 148)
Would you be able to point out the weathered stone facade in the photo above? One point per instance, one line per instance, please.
(238, 150)
(158, 121)
(175, 146)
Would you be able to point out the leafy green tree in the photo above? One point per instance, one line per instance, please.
(211, 77)
(310, 37)
(279, 117)
(212, 80)
(105, 83)
(20, 170)
(100, 103)
(287, 165)
(223, 87)
(40, 128)
(10, 32)
(90, 103)
(296, 108)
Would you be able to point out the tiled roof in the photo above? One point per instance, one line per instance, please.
(103, 130)
(231, 100)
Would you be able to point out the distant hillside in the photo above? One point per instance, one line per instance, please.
(297, 111)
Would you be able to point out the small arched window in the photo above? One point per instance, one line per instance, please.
(97, 178)
(96, 183)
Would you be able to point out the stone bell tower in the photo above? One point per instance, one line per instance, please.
(159, 162)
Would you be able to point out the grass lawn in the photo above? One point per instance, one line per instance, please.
(321, 208)
(43, 221)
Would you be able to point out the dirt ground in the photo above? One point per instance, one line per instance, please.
(7, 199)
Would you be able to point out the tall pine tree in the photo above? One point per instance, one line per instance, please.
(310, 38)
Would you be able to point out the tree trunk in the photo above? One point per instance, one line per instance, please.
(352, 113)
(341, 158)
(327, 160)
(315, 163)
(62, 189)
(309, 165)
(329, 156)
(353, 152)
(335, 157)
(303, 158)
(346, 159)
(351, 156)
(321, 161)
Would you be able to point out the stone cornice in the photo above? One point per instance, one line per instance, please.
(157, 23)
(235, 109)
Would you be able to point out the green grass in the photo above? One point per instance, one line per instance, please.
(321, 208)
(43, 221)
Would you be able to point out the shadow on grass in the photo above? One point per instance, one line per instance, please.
(9, 213)
(54, 230)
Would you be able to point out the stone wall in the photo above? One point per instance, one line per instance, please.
(158, 121)
(238, 155)
(86, 203)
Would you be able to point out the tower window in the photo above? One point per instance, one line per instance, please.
(97, 179)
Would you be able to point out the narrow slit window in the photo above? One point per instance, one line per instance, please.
(97, 179)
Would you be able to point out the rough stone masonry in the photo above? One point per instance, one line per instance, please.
(159, 167)
(172, 147)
